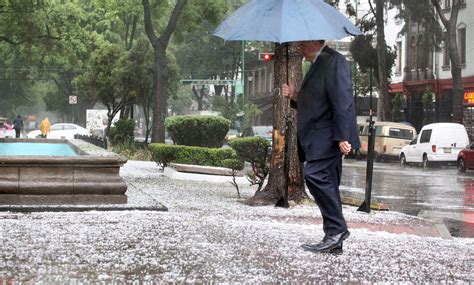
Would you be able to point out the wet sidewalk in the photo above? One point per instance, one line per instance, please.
(208, 236)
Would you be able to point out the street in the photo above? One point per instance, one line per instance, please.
(439, 194)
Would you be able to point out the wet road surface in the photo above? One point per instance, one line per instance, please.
(439, 194)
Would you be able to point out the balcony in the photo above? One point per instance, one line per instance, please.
(418, 74)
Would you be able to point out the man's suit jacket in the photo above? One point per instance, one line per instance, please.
(326, 112)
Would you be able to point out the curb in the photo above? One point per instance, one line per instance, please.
(357, 202)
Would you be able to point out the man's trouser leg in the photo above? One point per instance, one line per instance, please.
(322, 178)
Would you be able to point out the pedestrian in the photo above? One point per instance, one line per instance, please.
(18, 125)
(45, 127)
(326, 130)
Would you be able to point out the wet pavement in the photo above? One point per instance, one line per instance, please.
(439, 194)
(209, 236)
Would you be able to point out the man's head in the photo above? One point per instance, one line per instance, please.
(309, 49)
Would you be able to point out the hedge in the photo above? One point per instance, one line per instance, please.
(197, 130)
(165, 154)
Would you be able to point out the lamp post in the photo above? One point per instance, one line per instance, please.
(365, 207)
(242, 76)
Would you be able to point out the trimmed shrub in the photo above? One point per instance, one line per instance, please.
(165, 154)
(251, 149)
(256, 151)
(233, 163)
(196, 130)
(122, 132)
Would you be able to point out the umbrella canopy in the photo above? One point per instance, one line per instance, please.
(286, 21)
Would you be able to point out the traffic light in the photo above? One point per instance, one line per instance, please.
(265, 56)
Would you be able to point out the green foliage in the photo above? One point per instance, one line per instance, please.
(396, 107)
(251, 149)
(256, 151)
(251, 112)
(232, 163)
(122, 132)
(366, 56)
(130, 151)
(206, 131)
(180, 101)
(421, 12)
(165, 154)
(427, 101)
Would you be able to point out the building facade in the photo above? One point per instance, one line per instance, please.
(422, 73)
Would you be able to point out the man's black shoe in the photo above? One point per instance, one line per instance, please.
(315, 248)
(329, 244)
(345, 235)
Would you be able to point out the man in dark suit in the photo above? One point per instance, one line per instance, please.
(327, 129)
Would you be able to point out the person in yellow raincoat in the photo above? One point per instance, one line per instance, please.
(45, 127)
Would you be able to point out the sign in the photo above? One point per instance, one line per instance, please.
(469, 98)
(97, 119)
(72, 99)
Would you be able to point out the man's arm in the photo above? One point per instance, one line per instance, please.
(339, 87)
(289, 91)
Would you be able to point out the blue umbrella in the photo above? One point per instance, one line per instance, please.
(286, 21)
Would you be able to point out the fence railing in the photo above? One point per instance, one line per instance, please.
(98, 141)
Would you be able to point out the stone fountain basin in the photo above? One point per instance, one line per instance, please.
(60, 175)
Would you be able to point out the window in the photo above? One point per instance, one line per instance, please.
(399, 58)
(69, 127)
(445, 56)
(462, 44)
(413, 52)
(378, 131)
(400, 133)
(420, 59)
(56, 127)
(425, 136)
(446, 59)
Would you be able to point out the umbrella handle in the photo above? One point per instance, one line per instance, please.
(287, 65)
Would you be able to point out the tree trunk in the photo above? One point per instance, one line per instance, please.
(199, 96)
(383, 104)
(272, 191)
(161, 100)
(160, 65)
(452, 44)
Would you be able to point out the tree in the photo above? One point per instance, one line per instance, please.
(192, 14)
(181, 101)
(396, 107)
(106, 80)
(29, 33)
(138, 78)
(450, 40)
(273, 190)
(380, 59)
(383, 108)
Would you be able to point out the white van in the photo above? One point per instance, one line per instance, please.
(390, 137)
(436, 143)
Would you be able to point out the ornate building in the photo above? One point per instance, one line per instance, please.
(422, 72)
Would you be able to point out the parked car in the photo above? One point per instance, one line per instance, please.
(390, 137)
(6, 130)
(466, 158)
(436, 143)
(265, 132)
(231, 134)
(61, 131)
